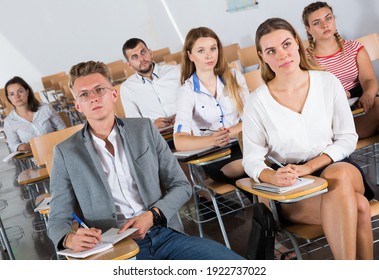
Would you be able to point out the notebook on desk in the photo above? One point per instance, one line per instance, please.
(194, 154)
(109, 238)
(11, 155)
(301, 182)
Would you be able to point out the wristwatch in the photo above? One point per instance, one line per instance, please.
(157, 220)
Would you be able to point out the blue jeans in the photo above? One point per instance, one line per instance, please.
(162, 243)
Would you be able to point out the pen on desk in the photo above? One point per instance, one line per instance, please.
(80, 221)
(273, 160)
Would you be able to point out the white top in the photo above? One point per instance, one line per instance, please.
(124, 190)
(19, 130)
(324, 126)
(154, 99)
(198, 109)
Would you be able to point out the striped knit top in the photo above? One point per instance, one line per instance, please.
(343, 64)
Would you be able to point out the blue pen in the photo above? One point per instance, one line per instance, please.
(79, 221)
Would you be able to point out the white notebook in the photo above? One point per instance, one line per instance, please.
(43, 205)
(275, 189)
(109, 238)
(11, 155)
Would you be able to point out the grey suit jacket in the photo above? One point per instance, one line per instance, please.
(79, 184)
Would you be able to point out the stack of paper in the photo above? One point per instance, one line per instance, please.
(275, 189)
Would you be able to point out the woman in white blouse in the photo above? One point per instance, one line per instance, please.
(29, 118)
(301, 117)
(210, 102)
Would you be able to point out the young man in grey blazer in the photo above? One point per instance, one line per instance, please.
(120, 173)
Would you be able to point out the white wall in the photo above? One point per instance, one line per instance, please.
(43, 37)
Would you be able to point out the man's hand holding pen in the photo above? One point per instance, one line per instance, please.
(83, 239)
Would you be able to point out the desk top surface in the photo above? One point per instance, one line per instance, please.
(125, 249)
(32, 175)
(318, 185)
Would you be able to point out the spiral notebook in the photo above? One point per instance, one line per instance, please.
(301, 182)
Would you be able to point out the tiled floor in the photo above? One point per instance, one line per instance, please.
(28, 244)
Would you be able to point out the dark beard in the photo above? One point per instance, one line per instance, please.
(147, 70)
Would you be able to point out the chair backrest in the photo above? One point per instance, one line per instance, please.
(253, 79)
(248, 56)
(7, 106)
(65, 118)
(58, 81)
(44, 145)
(116, 70)
(159, 54)
(230, 52)
(118, 108)
(37, 96)
(171, 62)
(371, 44)
(47, 81)
(173, 56)
(49, 162)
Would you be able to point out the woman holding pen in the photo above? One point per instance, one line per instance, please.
(302, 119)
(210, 102)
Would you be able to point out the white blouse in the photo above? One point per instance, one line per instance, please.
(198, 109)
(325, 125)
(19, 130)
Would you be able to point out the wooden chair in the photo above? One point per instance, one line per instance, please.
(309, 233)
(371, 44)
(248, 57)
(65, 118)
(253, 79)
(173, 56)
(44, 145)
(159, 54)
(117, 72)
(231, 52)
(47, 81)
(222, 195)
(118, 108)
(7, 106)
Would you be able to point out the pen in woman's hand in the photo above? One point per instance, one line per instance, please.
(207, 129)
(273, 160)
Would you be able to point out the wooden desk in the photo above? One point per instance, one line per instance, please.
(32, 179)
(122, 250)
(358, 112)
(32, 175)
(25, 160)
(317, 187)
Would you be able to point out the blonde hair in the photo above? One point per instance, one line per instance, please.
(221, 69)
(269, 26)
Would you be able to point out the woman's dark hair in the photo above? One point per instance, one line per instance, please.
(33, 103)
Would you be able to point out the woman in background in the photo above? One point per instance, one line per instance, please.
(348, 60)
(29, 118)
(210, 103)
(301, 118)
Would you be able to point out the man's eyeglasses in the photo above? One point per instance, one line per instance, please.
(98, 92)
